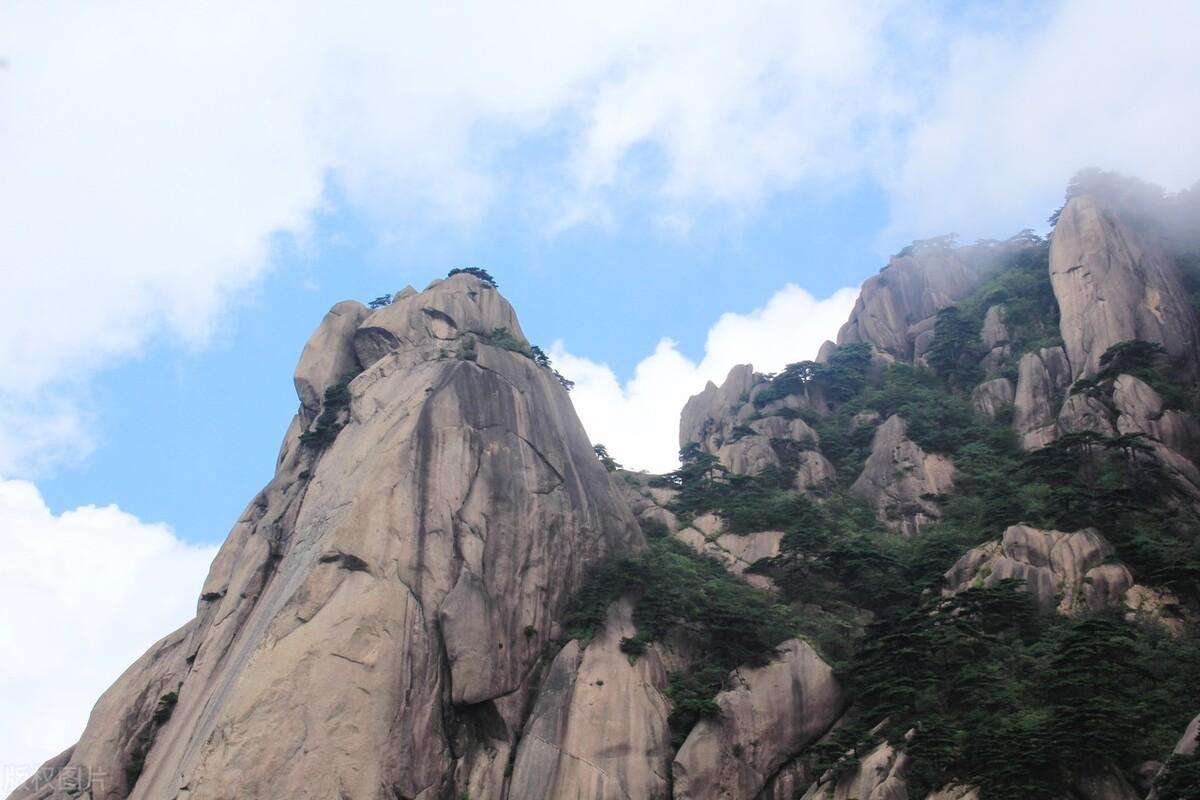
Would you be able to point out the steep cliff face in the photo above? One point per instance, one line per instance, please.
(895, 310)
(1114, 285)
(391, 591)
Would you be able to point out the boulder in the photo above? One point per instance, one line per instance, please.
(901, 481)
(1112, 285)
(994, 332)
(1067, 572)
(1082, 412)
(768, 715)
(993, 398)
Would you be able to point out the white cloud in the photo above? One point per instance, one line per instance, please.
(149, 151)
(1106, 84)
(82, 595)
(639, 422)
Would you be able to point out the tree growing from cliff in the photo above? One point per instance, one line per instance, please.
(608, 461)
(478, 272)
(380, 302)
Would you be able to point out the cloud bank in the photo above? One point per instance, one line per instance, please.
(151, 151)
(639, 421)
(82, 595)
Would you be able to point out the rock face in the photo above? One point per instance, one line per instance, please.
(1042, 381)
(878, 776)
(902, 481)
(390, 592)
(1112, 285)
(329, 355)
(768, 716)
(993, 398)
(896, 307)
(1067, 572)
(703, 414)
(599, 726)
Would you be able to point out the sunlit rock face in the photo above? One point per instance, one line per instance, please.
(391, 591)
(1113, 285)
(901, 481)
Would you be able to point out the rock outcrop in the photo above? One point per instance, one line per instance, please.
(391, 591)
(879, 775)
(1042, 381)
(706, 417)
(329, 354)
(736, 552)
(1071, 573)
(769, 715)
(599, 726)
(1112, 285)
(895, 310)
(902, 481)
(993, 398)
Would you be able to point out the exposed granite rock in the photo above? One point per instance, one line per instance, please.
(896, 306)
(704, 414)
(878, 776)
(1141, 410)
(736, 552)
(814, 472)
(788, 782)
(349, 611)
(1083, 412)
(748, 455)
(993, 398)
(1112, 285)
(1042, 381)
(769, 715)
(1188, 745)
(599, 726)
(994, 332)
(901, 480)
(1069, 572)
(329, 355)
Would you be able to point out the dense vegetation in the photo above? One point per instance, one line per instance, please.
(729, 622)
(981, 687)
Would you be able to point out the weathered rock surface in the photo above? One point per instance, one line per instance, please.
(993, 398)
(1112, 286)
(994, 332)
(768, 716)
(383, 594)
(896, 306)
(878, 776)
(599, 726)
(1068, 572)
(705, 416)
(736, 552)
(1082, 412)
(329, 355)
(902, 481)
(1042, 381)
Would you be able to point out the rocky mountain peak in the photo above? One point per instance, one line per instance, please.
(1113, 284)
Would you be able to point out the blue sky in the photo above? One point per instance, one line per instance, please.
(662, 189)
(189, 435)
